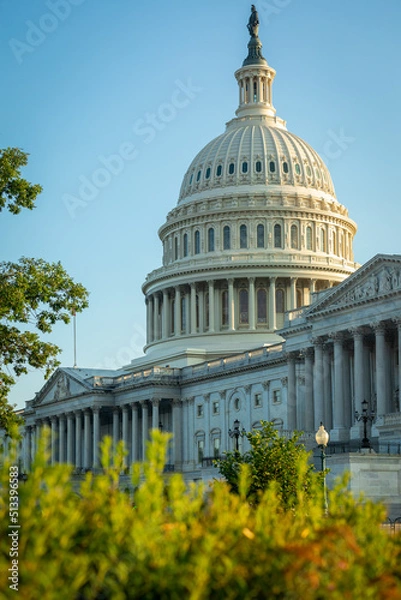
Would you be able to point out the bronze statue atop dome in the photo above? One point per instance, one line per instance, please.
(253, 23)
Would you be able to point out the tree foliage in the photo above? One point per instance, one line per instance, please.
(34, 296)
(272, 459)
(15, 191)
(90, 540)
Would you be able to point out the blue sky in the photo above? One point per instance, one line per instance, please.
(82, 78)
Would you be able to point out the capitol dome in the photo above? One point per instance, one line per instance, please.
(256, 231)
(258, 154)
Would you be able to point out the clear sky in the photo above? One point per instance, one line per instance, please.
(86, 80)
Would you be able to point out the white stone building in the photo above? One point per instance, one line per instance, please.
(258, 312)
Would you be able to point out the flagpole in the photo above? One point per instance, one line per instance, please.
(75, 338)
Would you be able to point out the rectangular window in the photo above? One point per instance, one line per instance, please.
(276, 396)
(199, 410)
(216, 407)
(258, 400)
(201, 450)
(216, 447)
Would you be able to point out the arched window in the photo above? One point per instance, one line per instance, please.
(245, 167)
(261, 298)
(243, 237)
(210, 240)
(258, 166)
(191, 179)
(185, 244)
(226, 238)
(309, 238)
(231, 169)
(297, 169)
(277, 236)
(219, 171)
(322, 240)
(272, 166)
(294, 237)
(224, 308)
(207, 176)
(175, 248)
(260, 235)
(243, 307)
(280, 301)
(198, 175)
(197, 241)
(285, 167)
(255, 91)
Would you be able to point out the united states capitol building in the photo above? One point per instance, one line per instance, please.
(258, 312)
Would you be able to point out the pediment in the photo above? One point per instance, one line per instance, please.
(60, 386)
(376, 279)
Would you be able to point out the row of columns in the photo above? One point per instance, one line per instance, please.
(189, 316)
(75, 436)
(338, 378)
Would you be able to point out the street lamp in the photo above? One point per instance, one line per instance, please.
(236, 433)
(322, 439)
(365, 417)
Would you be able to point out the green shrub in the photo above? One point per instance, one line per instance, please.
(189, 542)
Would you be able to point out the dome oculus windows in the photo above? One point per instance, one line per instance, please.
(272, 166)
(285, 167)
(231, 169)
(245, 167)
(207, 175)
(219, 170)
(297, 169)
(198, 175)
(258, 166)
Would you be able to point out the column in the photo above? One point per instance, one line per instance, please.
(191, 429)
(78, 439)
(156, 304)
(177, 432)
(70, 438)
(193, 308)
(381, 383)
(96, 435)
(211, 306)
(201, 294)
(293, 293)
(33, 442)
(87, 438)
(116, 427)
(187, 315)
(292, 393)
(61, 452)
(252, 304)
(125, 434)
(165, 318)
(312, 290)
(231, 313)
(318, 391)
(148, 303)
(327, 392)
(359, 392)
(338, 405)
(308, 419)
(177, 309)
(27, 448)
(398, 384)
(145, 425)
(272, 304)
(134, 432)
(54, 438)
(155, 413)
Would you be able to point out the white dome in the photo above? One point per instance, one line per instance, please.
(258, 153)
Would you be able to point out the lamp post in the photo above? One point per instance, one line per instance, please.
(365, 417)
(236, 433)
(322, 439)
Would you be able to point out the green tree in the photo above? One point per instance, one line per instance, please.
(272, 458)
(34, 295)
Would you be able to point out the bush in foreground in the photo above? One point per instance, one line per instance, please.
(180, 542)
